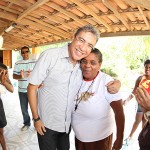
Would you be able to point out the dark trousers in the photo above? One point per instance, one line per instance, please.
(104, 144)
(52, 140)
(144, 137)
(24, 108)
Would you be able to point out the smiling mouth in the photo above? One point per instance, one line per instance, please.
(81, 52)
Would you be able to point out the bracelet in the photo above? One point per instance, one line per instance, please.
(132, 94)
(37, 119)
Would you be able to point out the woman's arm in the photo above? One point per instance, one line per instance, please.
(134, 91)
(120, 121)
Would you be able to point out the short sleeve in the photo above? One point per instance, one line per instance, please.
(40, 69)
(111, 97)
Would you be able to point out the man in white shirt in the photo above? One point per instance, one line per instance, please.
(21, 72)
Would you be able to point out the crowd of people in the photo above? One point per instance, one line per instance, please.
(66, 90)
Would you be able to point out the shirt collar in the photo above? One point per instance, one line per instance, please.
(64, 52)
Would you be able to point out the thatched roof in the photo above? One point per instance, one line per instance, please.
(41, 22)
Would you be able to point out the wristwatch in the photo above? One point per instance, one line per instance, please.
(36, 119)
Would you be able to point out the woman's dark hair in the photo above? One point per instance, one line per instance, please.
(147, 62)
(2, 66)
(98, 54)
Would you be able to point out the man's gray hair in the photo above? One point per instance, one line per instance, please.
(88, 28)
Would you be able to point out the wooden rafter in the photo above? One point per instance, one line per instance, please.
(40, 26)
(11, 37)
(67, 13)
(144, 18)
(142, 3)
(8, 9)
(63, 33)
(20, 3)
(31, 8)
(126, 33)
(8, 16)
(45, 26)
(87, 9)
(118, 15)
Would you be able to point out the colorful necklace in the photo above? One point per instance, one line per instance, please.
(84, 95)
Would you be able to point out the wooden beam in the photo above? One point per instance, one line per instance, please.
(144, 18)
(43, 27)
(126, 33)
(49, 28)
(54, 30)
(53, 18)
(142, 3)
(9, 9)
(117, 14)
(15, 38)
(20, 3)
(5, 15)
(88, 10)
(31, 8)
(67, 13)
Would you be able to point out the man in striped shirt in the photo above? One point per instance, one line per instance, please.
(21, 72)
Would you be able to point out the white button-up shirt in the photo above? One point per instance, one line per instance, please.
(61, 82)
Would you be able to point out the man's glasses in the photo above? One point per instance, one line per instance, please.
(83, 41)
(25, 52)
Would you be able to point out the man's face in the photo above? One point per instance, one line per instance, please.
(25, 53)
(82, 45)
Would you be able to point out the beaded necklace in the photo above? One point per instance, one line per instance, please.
(84, 95)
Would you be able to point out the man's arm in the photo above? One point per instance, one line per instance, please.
(120, 121)
(113, 86)
(32, 96)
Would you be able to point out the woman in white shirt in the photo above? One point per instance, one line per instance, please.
(96, 110)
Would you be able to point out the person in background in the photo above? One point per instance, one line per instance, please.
(143, 98)
(59, 71)
(5, 85)
(93, 118)
(21, 72)
(143, 80)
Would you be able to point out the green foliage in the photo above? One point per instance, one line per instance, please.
(110, 72)
(125, 56)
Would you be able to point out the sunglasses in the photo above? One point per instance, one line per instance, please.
(25, 52)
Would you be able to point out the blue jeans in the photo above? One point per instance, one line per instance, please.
(24, 108)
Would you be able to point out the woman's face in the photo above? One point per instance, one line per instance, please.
(90, 66)
(147, 69)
